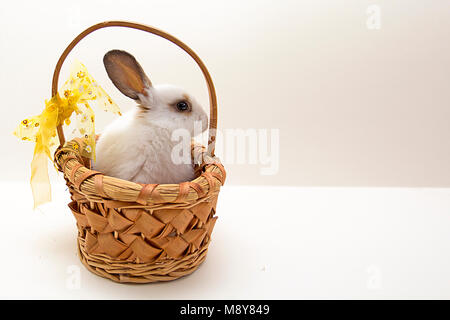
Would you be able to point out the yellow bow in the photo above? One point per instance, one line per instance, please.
(74, 96)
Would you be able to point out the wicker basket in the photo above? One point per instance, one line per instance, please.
(130, 232)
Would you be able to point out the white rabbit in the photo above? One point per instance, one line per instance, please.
(137, 146)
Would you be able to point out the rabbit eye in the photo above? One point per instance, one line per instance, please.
(182, 106)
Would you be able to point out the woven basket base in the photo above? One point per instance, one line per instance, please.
(126, 272)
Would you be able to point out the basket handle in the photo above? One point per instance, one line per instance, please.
(160, 33)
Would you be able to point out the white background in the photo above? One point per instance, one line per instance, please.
(360, 205)
(354, 106)
(268, 243)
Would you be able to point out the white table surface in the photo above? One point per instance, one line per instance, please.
(269, 243)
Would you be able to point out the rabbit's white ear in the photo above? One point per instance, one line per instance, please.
(126, 73)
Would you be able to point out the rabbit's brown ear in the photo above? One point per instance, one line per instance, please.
(126, 73)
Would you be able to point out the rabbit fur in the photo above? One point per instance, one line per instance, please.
(138, 146)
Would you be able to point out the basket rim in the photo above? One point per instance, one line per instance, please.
(98, 187)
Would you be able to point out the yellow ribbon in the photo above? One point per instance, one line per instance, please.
(73, 98)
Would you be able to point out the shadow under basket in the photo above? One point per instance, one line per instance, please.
(129, 232)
